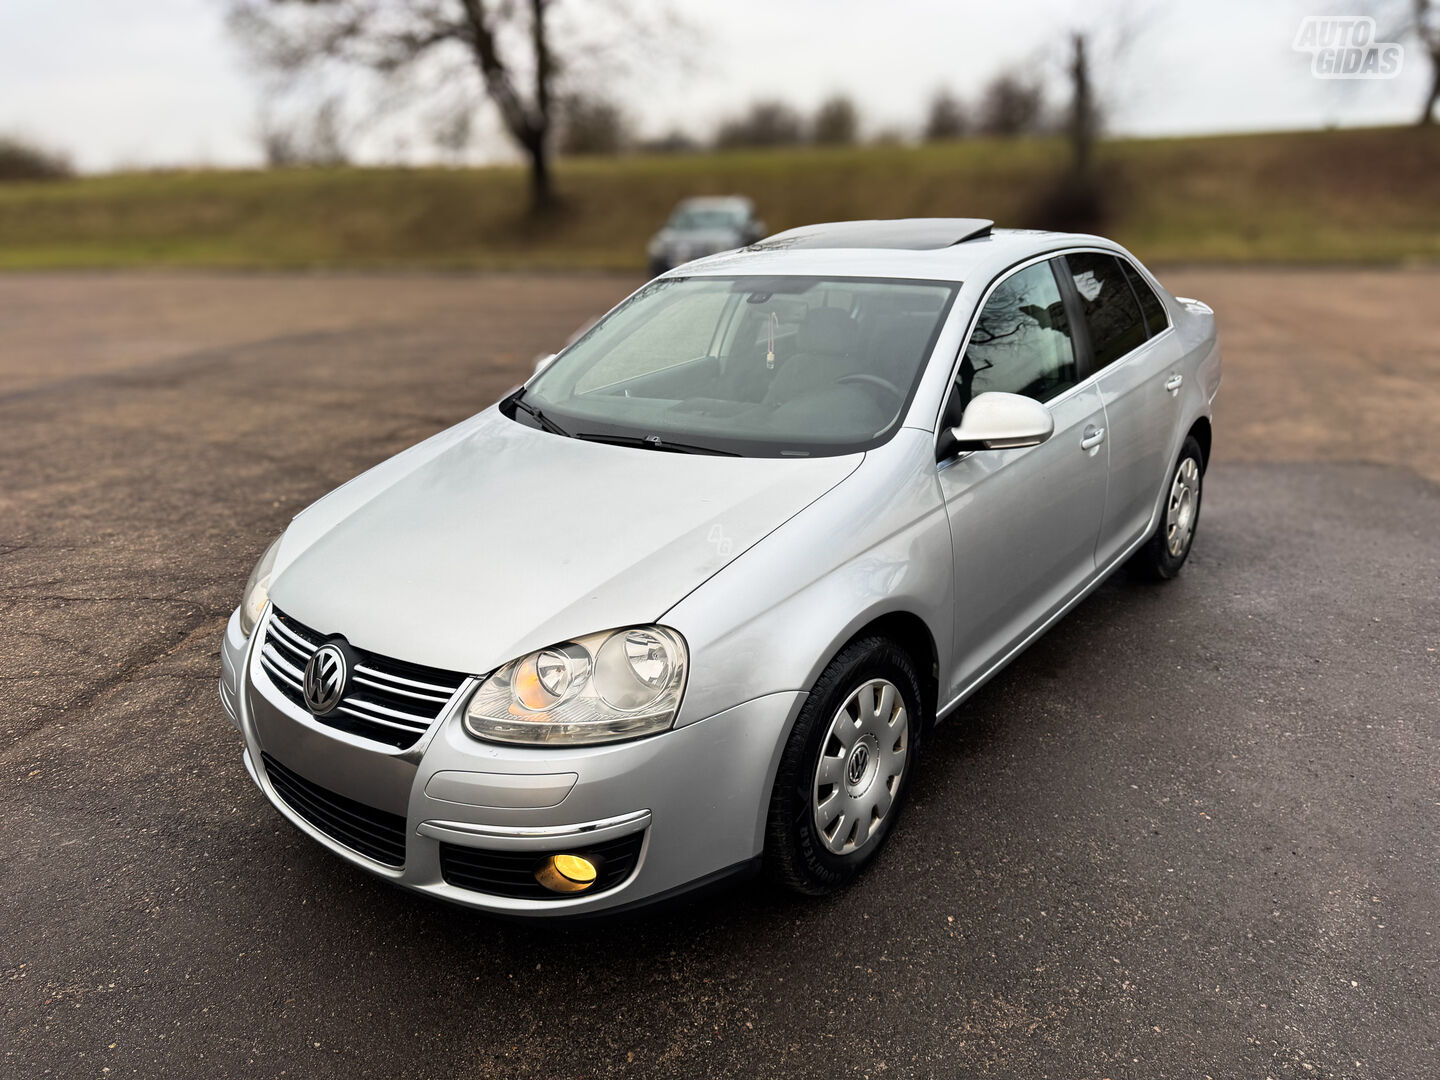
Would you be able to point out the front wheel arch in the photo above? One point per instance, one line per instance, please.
(908, 631)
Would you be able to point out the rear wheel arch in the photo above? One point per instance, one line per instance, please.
(1200, 431)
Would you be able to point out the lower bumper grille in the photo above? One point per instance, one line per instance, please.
(376, 834)
(512, 873)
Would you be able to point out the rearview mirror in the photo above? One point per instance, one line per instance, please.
(995, 421)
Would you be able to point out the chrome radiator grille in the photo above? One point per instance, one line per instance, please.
(389, 701)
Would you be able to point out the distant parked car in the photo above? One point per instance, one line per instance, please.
(693, 596)
(700, 227)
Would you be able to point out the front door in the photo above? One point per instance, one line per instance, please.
(1024, 522)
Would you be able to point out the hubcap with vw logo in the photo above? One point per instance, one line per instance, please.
(326, 676)
(862, 762)
(858, 762)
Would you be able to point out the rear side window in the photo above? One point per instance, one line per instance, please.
(1154, 311)
(1111, 311)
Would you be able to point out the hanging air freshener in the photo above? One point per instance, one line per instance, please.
(770, 351)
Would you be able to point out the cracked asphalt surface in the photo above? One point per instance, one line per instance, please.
(1191, 833)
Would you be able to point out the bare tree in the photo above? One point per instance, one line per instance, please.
(1011, 105)
(591, 125)
(1420, 20)
(766, 123)
(509, 44)
(674, 141)
(1082, 124)
(1426, 27)
(946, 118)
(23, 160)
(316, 138)
(837, 122)
(1080, 198)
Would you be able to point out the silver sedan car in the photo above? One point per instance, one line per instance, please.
(689, 602)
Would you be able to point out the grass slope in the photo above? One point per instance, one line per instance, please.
(1334, 196)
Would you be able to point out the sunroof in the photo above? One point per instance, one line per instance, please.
(913, 234)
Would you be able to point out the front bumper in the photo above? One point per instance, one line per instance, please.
(696, 796)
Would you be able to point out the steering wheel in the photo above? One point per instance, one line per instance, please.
(873, 380)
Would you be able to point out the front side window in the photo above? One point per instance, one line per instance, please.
(764, 366)
(1021, 342)
(1111, 311)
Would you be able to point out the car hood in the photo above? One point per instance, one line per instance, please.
(493, 539)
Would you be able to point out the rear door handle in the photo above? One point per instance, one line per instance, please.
(1092, 437)
(1173, 382)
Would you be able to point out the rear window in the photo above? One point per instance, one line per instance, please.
(1111, 311)
(1150, 304)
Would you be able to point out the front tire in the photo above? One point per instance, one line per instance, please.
(845, 769)
(1167, 549)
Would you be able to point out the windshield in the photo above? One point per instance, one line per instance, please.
(696, 219)
(762, 366)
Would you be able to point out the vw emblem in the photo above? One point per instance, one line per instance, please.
(858, 763)
(325, 677)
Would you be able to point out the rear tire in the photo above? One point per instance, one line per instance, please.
(1169, 546)
(845, 769)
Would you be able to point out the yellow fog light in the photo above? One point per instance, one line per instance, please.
(566, 873)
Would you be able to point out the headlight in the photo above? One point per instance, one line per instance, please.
(620, 684)
(257, 590)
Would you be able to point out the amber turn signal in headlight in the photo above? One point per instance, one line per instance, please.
(598, 688)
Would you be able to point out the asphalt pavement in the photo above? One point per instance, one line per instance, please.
(1191, 833)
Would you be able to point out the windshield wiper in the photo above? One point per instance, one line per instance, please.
(654, 442)
(539, 417)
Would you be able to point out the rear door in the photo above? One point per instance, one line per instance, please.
(1129, 342)
(1023, 522)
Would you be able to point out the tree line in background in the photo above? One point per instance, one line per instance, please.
(524, 59)
(1010, 105)
(591, 124)
(515, 55)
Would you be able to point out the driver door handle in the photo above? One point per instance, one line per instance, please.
(1173, 382)
(1092, 437)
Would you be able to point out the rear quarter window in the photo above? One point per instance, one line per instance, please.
(1151, 305)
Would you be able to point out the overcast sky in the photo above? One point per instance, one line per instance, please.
(125, 83)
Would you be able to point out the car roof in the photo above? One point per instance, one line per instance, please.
(903, 248)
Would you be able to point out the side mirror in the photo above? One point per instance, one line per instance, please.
(996, 421)
(542, 362)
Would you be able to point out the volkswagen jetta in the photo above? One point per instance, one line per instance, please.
(687, 603)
